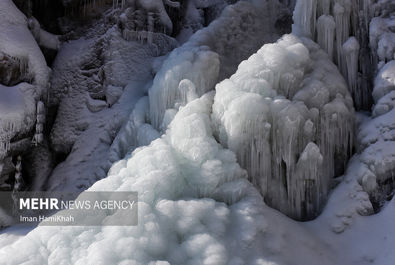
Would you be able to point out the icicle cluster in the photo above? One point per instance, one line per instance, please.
(199, 65)
(337, 21)
(285, 111)
(40, 121)
(8, 128)
(19, 183)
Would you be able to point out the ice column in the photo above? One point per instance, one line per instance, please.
(326, 33)
(323, 7)
(342, 19)
(305, 18)
(38, 136)
(19, 183)
(351, 53)
(308, 189)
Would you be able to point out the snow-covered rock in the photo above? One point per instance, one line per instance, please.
(24, 81)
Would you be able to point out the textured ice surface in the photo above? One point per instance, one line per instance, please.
(299, 114)
(334, 23)
(195, 207)
(213, 53)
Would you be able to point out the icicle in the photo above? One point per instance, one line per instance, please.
(19, 183)
(351, 52)
(39, 136)
(323, 7)
(326, 33)
(308, 190)
(150, 26)
(305, 17)
(187, 92)
(342, 20)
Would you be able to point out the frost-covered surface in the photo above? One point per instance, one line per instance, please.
(95, 99)
(17, 41)
(382, 37)
(299, 115)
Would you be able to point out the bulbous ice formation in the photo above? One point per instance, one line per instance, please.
(285, 111)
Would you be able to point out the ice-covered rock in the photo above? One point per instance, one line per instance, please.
(385, 81)
(23, 83)
(299, 113)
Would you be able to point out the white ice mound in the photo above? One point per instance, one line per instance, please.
(196, 207)
(288, 116)
(176, 224)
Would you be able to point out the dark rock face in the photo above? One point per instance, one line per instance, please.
(47, 12)
(12, 70)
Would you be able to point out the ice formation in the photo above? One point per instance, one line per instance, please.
(350, 51)
(299, 114)
(195, 207)
(326, 33)
(333, 23)
(285, 116)
(205, 59)
(40, 121)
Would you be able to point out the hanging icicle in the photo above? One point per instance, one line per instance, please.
(19, 183)
(350, 51)
(326, 33)
(39, 136)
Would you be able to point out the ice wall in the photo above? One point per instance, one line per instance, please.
(297, 132)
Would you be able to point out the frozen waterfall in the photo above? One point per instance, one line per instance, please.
(299, 114)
